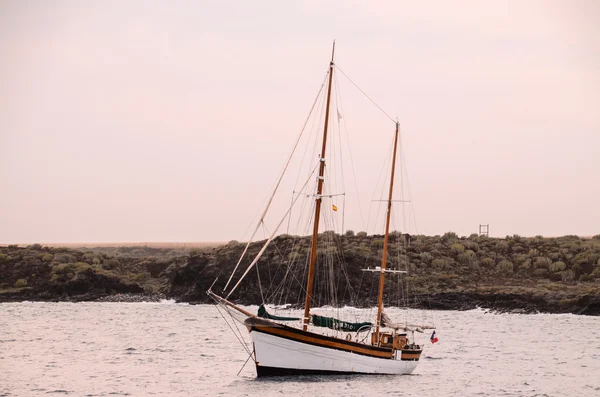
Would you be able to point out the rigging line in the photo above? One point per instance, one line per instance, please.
(282, 257)
(262, 218)
(380, 185)
(412, 207)
(321, 98)
(246, 362)
(251, 265)
(343, 178)
(231, 328)
(290, 217)
(293, 262)
(262, 296)
(364, 93)
(343, 211)
(360, 211)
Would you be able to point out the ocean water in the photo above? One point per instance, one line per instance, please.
(168, 349)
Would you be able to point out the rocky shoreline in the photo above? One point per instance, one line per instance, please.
(515, 274)
(495, 303)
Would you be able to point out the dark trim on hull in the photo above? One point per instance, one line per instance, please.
(309, 338)
(262, 371)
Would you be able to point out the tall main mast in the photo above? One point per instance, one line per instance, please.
(313, 248)
(385, 239)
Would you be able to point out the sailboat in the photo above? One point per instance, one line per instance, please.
(284, 346)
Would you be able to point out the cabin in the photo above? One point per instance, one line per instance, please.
(389, 340)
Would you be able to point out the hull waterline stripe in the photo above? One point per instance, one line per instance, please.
(262, 371)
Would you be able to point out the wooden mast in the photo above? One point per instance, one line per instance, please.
(313, 248)
(385, 240)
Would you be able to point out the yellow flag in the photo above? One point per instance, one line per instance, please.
(334, 207)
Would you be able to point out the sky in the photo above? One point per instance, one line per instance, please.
(134, 121)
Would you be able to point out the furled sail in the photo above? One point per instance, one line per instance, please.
(387, 322)
(262, 312)
(339, 325)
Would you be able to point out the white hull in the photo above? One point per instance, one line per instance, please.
(285, 356)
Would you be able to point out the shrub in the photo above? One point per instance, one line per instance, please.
(567, 275)
(457, 248)
(557, 266)
(449, 237)
(64, 258)
(519, 258)
(542, 261)
(526, 265)
(486, 262)
(3, 257)
(585, 277)
(573, 246)
(47, 257)
(467, 258)
(81, 267)
(88, 257)
(113, 263)
(441, 263)
(540, 272)
(426, 257)
(20, 283)
(359, 252)
(377, 243)
(505, 266)
(502, 246)
(66, 271)
(517, 248)
(140, 276)
(533, 253)
(361, 234)
(349, 233)
(471, 245)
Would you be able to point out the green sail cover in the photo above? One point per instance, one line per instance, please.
(340, 325)
(262, 312)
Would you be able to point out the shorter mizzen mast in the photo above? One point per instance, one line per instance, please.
(319, 199)
(386, 238)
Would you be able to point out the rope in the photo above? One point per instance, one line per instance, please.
(365, 94)
(276, 186)
(412, 207)
(360, 210)
(232, 330)
(262, 296)
(246, 362)
(253, 263)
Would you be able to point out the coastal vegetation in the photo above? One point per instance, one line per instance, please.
(528, 274)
